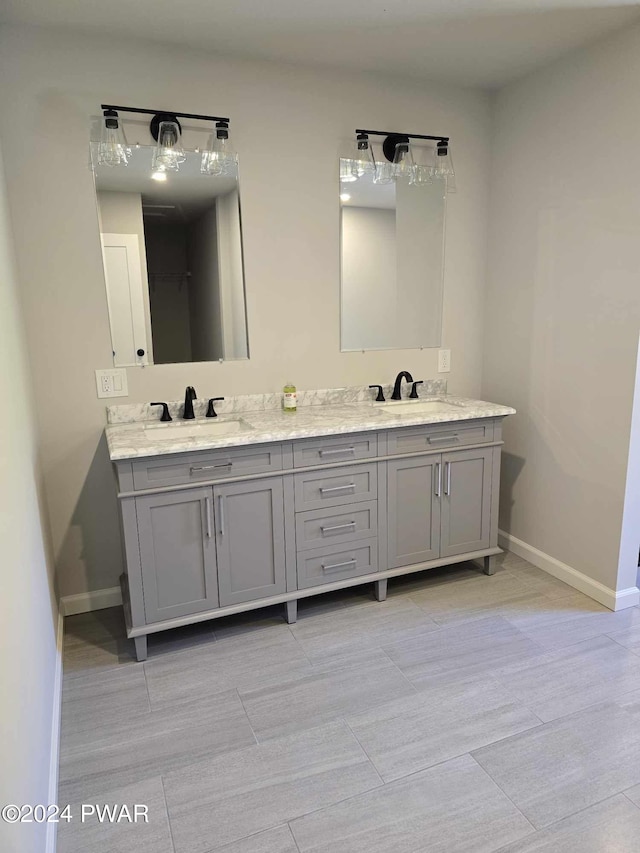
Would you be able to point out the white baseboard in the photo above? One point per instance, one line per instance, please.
(594, 589)
(86, 601)
(54, 760)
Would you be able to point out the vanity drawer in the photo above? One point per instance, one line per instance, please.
(340, 449)
(207, 465)
(348, 485)
(320, 527)
(335, 562)
(438, 436)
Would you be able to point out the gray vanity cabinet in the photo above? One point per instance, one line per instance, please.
(215, 532)
(465, 503)
(413, 511)
(249, 521)
(438, 506)
(177, 553)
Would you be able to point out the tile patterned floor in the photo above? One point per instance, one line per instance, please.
(465, 714)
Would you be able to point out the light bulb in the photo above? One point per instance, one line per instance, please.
(345, 196)
(159, 175)
(169, 152)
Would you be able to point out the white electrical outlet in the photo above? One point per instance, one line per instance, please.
(112, 383)
(444, 360)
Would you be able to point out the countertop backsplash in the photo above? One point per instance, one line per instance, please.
(130, 413)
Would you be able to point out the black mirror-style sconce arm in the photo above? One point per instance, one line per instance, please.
(211, 412)
(165, 411)
(380, 397)
(414, 392)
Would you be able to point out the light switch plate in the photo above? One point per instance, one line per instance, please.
(112, 382)
(444, 360)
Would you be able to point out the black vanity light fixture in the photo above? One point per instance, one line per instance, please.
(400, 160)
(165, 128)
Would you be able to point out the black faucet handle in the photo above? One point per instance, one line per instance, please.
(380, 397)
(414, 393)
(211, 412)
(165, 411)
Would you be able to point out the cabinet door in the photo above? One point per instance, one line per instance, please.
(250, 540)
(466, 501)
(177, 553)
(413, 510)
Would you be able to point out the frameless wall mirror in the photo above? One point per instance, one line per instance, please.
(172, 254)
(392, 253)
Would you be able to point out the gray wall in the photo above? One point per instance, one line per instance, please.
(28, 610)
(291, 241)
(204, 288)
(563, 303)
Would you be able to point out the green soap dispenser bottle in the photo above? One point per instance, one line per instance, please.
(290, 400)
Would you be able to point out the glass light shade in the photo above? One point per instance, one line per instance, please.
(348, 171)
(218, 158)
(422, 175)
(444, 167)
(383, 173)
(169, 152)
(112, 147)
(444, 163)
(403, 166)
(363, 162)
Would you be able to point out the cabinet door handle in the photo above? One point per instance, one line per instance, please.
(337, 527)
(208, 509)
(210, 467)
(447, 488)
(336, 566)
(326, 491)
(338, 451)
(221, 512)
(438, 478)
(435, 438)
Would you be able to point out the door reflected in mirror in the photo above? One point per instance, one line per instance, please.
(392, 259)
(173, 262)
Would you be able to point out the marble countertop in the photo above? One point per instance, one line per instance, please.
(142, 437)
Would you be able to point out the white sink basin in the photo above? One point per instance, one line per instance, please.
(200, 429)
(402, 408)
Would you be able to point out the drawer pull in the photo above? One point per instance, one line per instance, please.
(210, 467)
(334, 567)
(221, 509)
(209, 513)
(338, 451)
(337, 527)
(326, 491)
(435, 438)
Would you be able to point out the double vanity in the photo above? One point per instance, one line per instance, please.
(257, 506)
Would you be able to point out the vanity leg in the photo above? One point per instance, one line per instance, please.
(292, 611)
(381, 590)
(141, 647)
(489, 565)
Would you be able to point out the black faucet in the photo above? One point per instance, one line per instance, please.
(404, 374)
(189, 397)
(165, 411)
(211, 412)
